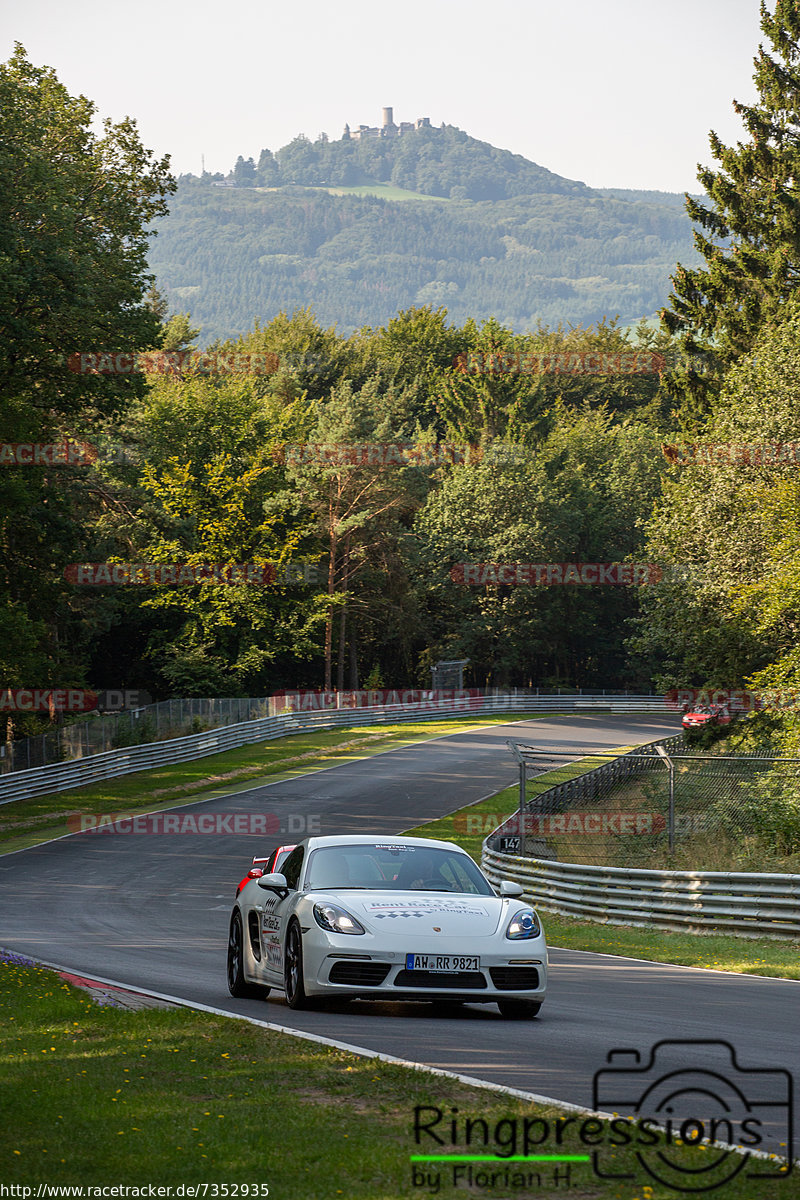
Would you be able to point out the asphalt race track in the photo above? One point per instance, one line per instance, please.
(152, 911)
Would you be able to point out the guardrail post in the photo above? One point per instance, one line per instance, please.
(671, 819)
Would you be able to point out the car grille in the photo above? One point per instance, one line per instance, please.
(514, 979)
(440, 979)
(359, 974)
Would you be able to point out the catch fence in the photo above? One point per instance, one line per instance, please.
(97, 733)
(662, 835)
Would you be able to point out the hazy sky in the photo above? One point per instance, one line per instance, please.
(617, 93)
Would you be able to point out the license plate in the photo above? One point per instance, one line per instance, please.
(442, 962)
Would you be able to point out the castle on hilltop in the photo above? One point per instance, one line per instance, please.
(388, 129)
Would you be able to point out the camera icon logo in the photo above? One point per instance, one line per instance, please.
(689, 1093)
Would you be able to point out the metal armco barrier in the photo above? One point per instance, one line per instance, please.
(60, 777)
(743, 903)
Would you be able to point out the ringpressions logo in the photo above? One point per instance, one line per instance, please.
(697, 1092)
(686, 1115)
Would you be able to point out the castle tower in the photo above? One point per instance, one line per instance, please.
(387, 117)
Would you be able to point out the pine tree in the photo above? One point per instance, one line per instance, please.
(750, 239)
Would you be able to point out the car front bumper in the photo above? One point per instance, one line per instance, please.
(514, 971)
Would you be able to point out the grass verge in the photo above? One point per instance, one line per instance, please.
(26, 823)
(168, 1097)
(720, 952)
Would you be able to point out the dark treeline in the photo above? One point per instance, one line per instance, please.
(435, 162)
(203, 469)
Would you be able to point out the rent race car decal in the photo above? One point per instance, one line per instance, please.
(423, 908)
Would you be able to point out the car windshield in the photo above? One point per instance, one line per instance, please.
(385, 866)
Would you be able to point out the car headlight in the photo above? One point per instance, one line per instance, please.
(335, 919)
(523, 924)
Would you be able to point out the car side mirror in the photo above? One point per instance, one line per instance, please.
(274, 882)
(508, 887)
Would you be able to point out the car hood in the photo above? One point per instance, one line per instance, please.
(444, 912)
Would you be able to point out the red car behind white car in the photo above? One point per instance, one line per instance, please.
(264, 866)
(705, 715)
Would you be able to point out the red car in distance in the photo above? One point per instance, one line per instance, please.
(705, 715)
(265, 866)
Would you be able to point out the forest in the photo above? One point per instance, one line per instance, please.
(268, 456)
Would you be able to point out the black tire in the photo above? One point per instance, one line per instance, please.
(237, 984)
(293, 969)
(519, 1010)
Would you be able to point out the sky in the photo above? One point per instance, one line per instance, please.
(618, 93)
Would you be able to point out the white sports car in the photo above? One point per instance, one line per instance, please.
(395, 918)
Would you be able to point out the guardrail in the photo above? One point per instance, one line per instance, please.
(744, 903)
(58, 777)
(95, 733)
(692, 901)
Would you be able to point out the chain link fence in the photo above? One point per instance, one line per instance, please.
(97, 733)
(668, 809)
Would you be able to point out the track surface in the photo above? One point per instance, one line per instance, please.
(153, 911)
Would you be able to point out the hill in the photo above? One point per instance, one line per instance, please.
(362, 229)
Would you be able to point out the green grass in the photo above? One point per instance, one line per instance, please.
(29, 822)
(720, 952)
(167, 1097)
(386, 191)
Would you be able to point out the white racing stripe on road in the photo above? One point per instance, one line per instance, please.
(364, 1052)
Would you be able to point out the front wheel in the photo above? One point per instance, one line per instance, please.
(237, 984)
(519, 1010)
(293, 969)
